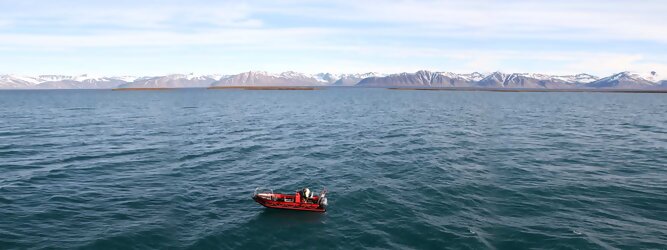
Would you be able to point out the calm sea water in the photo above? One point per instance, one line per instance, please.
(405, 169)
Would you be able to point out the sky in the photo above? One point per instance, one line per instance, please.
(151, 37)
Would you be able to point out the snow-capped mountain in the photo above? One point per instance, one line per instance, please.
(625, 80)
(80, 82)
(353, 79)
(423, 78)
(473, 77)
(478, 80)
(97, 83)
(263, 78)
(128, 78)
(578, 78)
(173, 81)
(328, 78)
(530, 80)
(55, 78)
(291, 78)
(17, 82)
(60, 82)
(494, 80)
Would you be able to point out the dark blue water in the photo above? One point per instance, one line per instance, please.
(405, 169)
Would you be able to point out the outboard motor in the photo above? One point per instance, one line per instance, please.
(323, 201)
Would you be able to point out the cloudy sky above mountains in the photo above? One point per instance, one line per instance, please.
(161, 37)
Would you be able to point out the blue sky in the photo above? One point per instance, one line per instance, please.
(125, 37)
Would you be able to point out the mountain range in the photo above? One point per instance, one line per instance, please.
(423, 78)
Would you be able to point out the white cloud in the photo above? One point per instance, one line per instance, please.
(592, 20)
(406, 59)
(556, 20)
(241, 37)
(350, 35)
(348, 58)
(4, 23)
(160, 15)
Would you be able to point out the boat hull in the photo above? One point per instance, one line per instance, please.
(299, 206)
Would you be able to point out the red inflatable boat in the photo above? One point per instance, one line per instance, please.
(302, 200)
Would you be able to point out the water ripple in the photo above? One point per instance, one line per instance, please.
(405, 169)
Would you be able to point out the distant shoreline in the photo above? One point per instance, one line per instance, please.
(265, 88)
(654, 91)
(539, 90)
(139, 89)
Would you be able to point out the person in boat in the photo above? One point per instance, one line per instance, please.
(306, 194)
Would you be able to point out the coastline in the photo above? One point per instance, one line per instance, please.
(264, 88)
(659, 91)
(139, 89)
